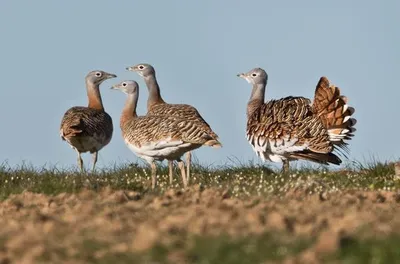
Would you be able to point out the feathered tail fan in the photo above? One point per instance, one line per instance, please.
(335, 114)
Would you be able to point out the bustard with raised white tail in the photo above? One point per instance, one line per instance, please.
(88, 128)
(157, 106)
(158, 137)
(293, 128)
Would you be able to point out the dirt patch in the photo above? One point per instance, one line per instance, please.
(87, 226)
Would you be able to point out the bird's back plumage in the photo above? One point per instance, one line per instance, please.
(286, 126)
(86, 129)
(183, 111)
(163, 129)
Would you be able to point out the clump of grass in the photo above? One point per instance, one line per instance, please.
(372, 250)
(52, 181)
(230, 250)
(252, 249)
(193, 249)
(242, 179)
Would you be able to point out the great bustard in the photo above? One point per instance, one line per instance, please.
(157, 106)
(155, 138)
(292, 128)
(88, 128)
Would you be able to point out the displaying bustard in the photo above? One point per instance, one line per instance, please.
(292, 128)
(88, 128)
(155, 138)
(157, 106)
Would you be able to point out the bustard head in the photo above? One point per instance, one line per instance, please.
(143, 69)
(128, 87)
(97, 77)
(255, 76)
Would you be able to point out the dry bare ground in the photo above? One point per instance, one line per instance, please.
(121, 226)
(244, 216)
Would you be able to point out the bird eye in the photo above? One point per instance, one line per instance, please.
(254, 75)
(98, 74)
(124, 84)
(141, 67)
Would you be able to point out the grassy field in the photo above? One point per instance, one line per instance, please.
(230, 214)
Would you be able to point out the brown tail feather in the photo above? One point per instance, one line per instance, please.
(323, 158)
(334, 112)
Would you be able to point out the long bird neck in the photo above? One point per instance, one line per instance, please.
(129, 111)
(154, 92)
(94, 97)
(256, 98)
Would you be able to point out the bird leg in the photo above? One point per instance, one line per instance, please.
(153, 175)
(170, 166)
(188, 161)
(181, 165)
(80, 161)
(94, 157)
(285, 166)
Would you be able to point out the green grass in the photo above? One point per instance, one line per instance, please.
(228, 250)
(377, 251)
(195, 249)
(254, 249)
(241, 180)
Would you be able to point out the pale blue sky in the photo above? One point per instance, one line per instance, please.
(197, 48)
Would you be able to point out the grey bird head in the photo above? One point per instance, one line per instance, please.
(255, 76)
(97, 77)
(143, 69)
(128, 87)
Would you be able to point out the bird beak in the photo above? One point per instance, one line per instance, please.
(241, 75)
(131, 68)
(245, 76)
(110, 76)
(114, 87)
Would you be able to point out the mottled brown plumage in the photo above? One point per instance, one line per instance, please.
(154, 137)
(80, 123)
(184, 111)
(292, 128)
(88, 129)
(157, 106)
(157, 128)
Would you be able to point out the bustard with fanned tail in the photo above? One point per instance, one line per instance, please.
(293, 128)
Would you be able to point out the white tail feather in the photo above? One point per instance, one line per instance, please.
(345, 108)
